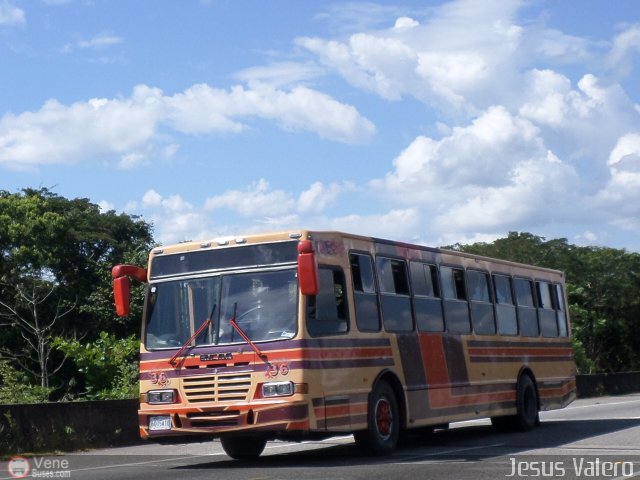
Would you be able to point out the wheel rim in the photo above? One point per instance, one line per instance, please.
(384, 418)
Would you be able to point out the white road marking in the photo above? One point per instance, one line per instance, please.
(443, 452)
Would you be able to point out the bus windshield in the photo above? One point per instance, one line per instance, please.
(264, 303)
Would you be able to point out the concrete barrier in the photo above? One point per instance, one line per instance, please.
(69, 426)
(599, 384)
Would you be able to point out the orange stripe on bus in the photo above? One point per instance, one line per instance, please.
(433, 359)
(551, 392)
(442, 397)
(309, 354)
(435, 365)
(337, 411)
(509, 351)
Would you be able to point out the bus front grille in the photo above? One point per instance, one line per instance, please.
(217, 388)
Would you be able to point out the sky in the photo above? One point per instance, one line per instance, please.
(432, 122)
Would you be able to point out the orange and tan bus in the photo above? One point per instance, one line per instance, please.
(311, 334)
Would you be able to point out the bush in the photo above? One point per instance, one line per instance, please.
(15, 387)
(109, 365)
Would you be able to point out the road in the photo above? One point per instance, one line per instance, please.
(592, 438)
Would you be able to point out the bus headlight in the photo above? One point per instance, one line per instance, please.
(277, 389)
(156, 397)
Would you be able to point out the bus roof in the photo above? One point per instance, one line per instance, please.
(285, 235)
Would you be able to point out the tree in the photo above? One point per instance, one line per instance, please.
(25, 308)
(56, 255)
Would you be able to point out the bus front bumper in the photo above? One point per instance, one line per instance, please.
(170, 420)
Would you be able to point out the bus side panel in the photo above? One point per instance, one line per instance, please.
(345, 369)
(549, 360)
(461, 377)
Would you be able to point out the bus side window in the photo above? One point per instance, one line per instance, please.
(527, 314)
(456, 307)
(546, 309)
(327, 311)
(505, 306)
(364, 293)
(394, 294)
(426, 297)
(561, 311)
(482, 316)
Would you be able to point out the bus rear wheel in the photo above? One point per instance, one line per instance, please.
(243, 447)
(527, 404)
(383, 422)
(527, 416)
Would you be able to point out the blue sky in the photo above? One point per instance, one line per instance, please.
(431, 122)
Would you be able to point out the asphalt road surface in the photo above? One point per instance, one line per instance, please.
(592, 438)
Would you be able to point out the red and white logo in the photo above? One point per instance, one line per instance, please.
(18, 467)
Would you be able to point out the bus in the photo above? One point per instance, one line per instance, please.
(310, 334)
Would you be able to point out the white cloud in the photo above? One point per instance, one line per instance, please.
(174, 219)
(538, 193)
(549, 98)
(61, 134)
(10, 14)
(132, 160)
(203, 109)
(618, 202)
(258, 200)
(490, 176)
(106, 206)
(461, 57)
(151, 198)
(394, 224)
(625, 45)
(126, 128)
(482, 154)
(280, 74)
(318, 197)
(405, 22)
(255, 208)
(101, 40)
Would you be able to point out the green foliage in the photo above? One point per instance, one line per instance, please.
(57, 254)
(602, 287)
(15, 387)
(109, 365)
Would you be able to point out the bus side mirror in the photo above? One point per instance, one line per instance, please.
(121, 289)
(122, 296)
(307, 269)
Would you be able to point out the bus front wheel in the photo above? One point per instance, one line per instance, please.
(243, 447)
(383, 422)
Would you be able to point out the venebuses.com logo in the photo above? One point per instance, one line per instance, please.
(18, 467)
(38, 467)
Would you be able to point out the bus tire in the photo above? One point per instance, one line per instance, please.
(383, 422)
(527, 416)
(243, 447)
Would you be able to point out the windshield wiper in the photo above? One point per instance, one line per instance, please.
(186, 345)
(246, 337)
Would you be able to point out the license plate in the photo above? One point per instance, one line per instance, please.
(161, 422)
